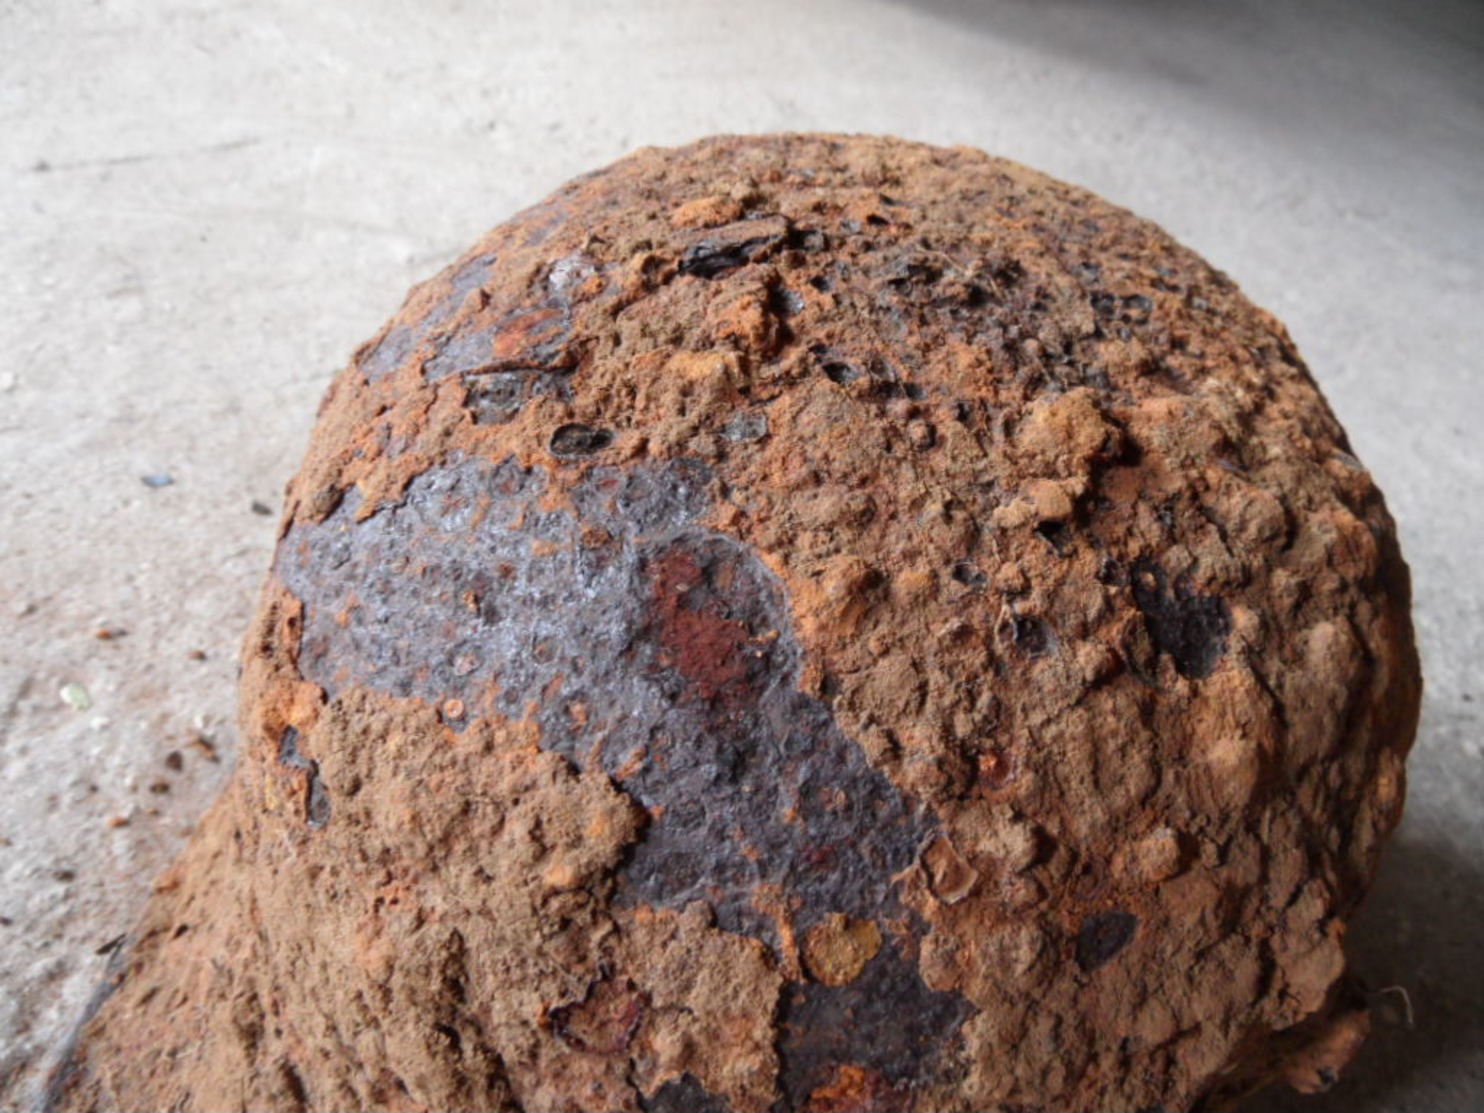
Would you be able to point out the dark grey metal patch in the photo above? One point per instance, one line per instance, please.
(886, 1024)
(1191, 628)
(403, 340)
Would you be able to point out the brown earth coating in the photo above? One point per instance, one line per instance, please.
(795, 622)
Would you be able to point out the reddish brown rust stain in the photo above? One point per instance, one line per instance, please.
(699, 640)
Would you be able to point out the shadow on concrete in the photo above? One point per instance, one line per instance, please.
(1295, 67)
(1135, 34)
(1420, 930)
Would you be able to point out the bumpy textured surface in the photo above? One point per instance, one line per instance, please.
(795, 623)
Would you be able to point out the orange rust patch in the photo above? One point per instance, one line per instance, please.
(837, 949)
(856, 1089)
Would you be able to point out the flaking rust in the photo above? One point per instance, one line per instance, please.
(795, 623)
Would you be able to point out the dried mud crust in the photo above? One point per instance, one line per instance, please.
(797, 622)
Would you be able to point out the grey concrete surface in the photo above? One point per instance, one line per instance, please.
(206, 204)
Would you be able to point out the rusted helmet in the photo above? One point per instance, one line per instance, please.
(797, 622)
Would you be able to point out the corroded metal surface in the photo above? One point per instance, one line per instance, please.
(663, 653)
(809, 623)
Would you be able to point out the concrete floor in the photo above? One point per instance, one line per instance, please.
(206, 205)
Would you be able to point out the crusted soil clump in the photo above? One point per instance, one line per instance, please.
(795, 623)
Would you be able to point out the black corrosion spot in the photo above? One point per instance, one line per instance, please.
(1191, 628)
(293, 1083)
(783, 302)
(808, 240)
(1103, 936)
(882, 379)
(1031, 635)
(735, 245)
(1058, 535)
(915, 276)
(1132, 309)
(573, 439)
(840, 372)
(316, 799)
(1111, 573)
(970, 575)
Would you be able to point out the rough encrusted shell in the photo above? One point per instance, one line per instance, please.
(802, 619)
